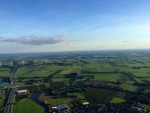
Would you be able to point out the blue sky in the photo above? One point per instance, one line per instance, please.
(68, 25)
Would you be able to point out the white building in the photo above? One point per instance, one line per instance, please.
(61, 107)
(86, 103)
(23, 92)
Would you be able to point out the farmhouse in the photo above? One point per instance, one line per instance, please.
(23, 92)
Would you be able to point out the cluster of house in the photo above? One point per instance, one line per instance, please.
(64, 107)
(60, 107)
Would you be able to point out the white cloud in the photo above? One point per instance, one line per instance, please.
(37, 40)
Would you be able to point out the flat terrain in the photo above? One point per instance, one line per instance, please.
(97, 80)
(45, 70)
(27, 106)
(108, 70)
(101, 96)
(55, 101)
(1, 100)
(117, 100)
(4, 72)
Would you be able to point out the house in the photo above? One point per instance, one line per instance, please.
(23, 92)
(132, 82)
(85, 103)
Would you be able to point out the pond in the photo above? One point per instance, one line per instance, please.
(3, 84)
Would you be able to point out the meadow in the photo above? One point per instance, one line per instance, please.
(1, 100)
(4, 72)
(45, 70)
(60, 100)
(105, 96)
(102, 69)
(27, 106)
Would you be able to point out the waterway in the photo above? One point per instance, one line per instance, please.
(34, 97)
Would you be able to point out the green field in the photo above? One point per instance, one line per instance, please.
(101, 69)
(27, 106)
(80, 96)
(37, 71)
(103, 96)
(52, 101)
(128, 87)
(4, 72)
(98, 67)
(69, 70)
(147, 107)
(55, 101)
(1, 102)
(44, 70)
(108, 77)
(112, 75)
(117, 100)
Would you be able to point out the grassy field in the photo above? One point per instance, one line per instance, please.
(4, 72)
(128, 87)
(97, 67)
(147, 107)
(37, 71)
(45, 70)
(64, 80)
(55, 101)
(117, 100)
(147, 91)
(107, 77)
(80, 96)
(106, 70)
(27, 106)
(1, 101)
(52, 101)
(103, 96)
(140, 68)
(70, 70)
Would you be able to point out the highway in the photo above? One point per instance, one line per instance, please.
(8, 107)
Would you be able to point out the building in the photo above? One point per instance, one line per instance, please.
(61, 107)
(86, 103)
(23, 92)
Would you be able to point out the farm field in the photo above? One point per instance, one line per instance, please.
(101, 96)
(147, 107)
(128, 87)
(94, 80)
(117, 100)
(36, 71)
(108, 77)
(60, 100)
(53, 101)
(45, 70)
(105, 69)
(27, 106)
(4, 72)
(1, 101)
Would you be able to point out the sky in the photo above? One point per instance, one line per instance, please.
(73, 25)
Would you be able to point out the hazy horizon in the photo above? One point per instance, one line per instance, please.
(73, 25)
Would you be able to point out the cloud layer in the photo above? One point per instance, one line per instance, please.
(37, 40)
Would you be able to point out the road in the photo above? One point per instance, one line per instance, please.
(8, 107)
